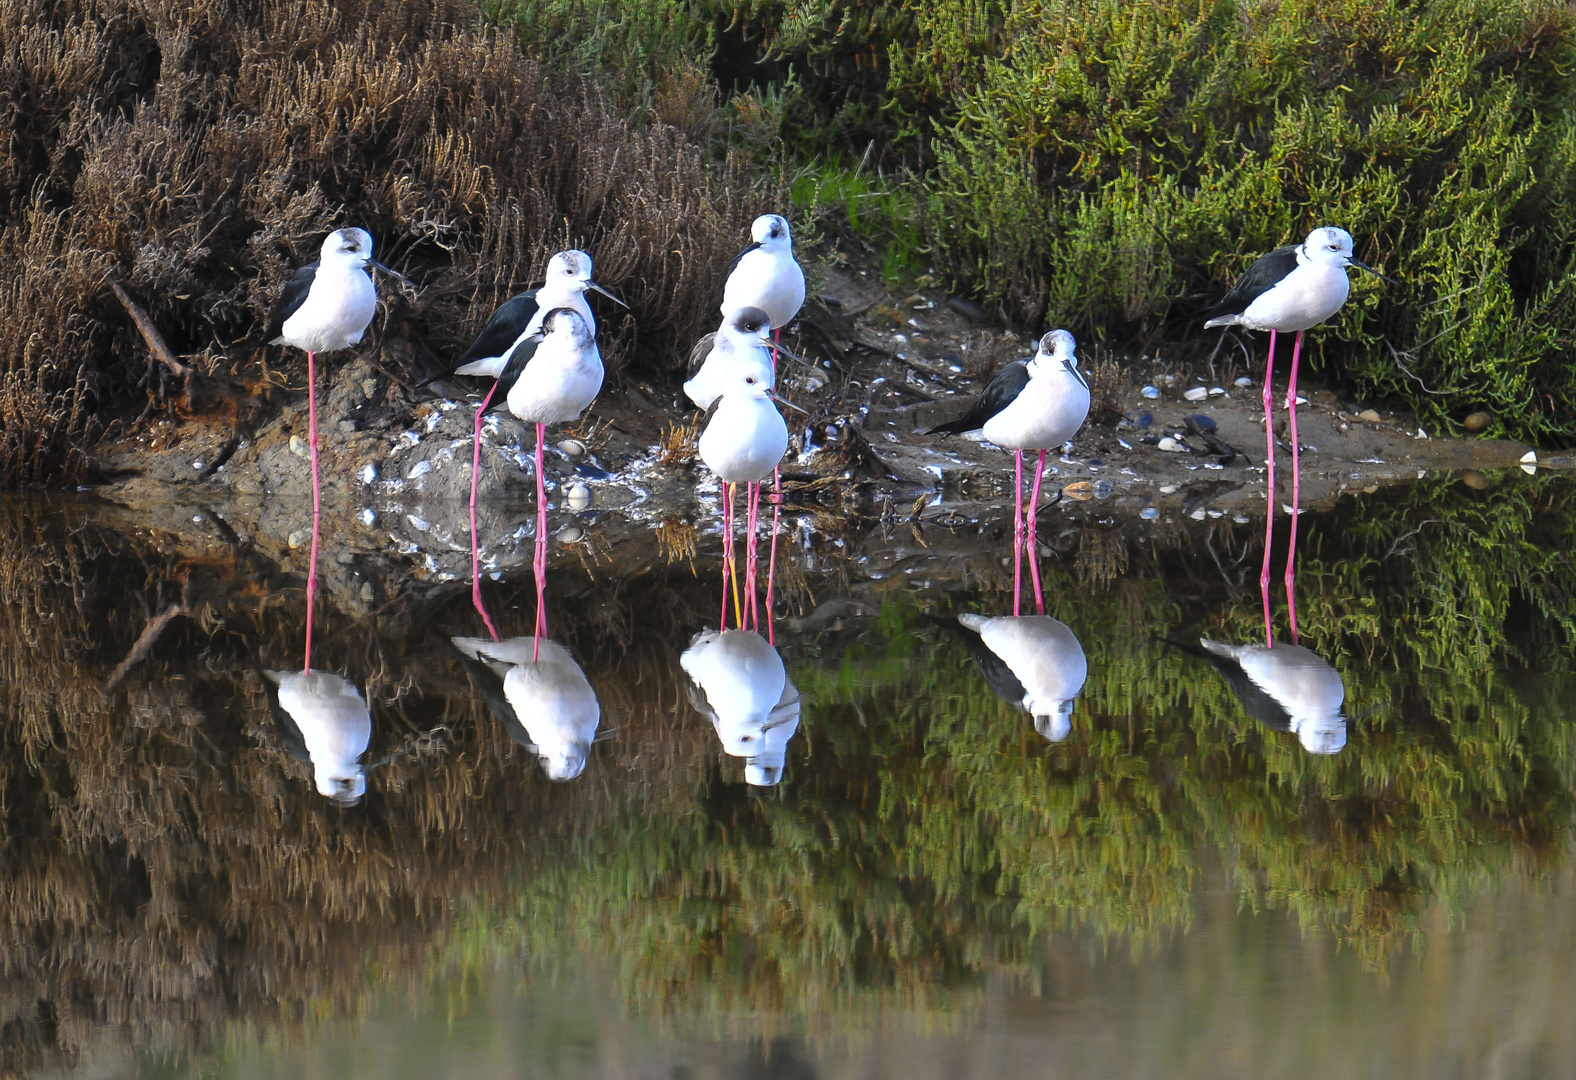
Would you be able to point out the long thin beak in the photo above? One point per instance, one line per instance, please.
(1371, 270)
(781, 401)
(594, 287)
(391, 273)
(794, 356)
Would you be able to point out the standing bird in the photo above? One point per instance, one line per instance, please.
(546, 703)
(765, 275)
(323, 720)
(743, 442)
(1293, 288)
(1032, 404)
(326, 306)
(517, 319)
(1035, 662)
(1285, 688)
(742, 335)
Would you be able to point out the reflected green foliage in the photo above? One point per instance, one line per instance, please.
(927, 834)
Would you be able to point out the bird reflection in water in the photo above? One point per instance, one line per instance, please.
(540, 695)
(1033, 661)
(1285, 687)
(323, 721)
(741, 686)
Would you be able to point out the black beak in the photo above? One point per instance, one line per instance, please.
(1073, 370)
(794, 357)
(594, 287)
(391, 273)
(781, 401)
(1364, 266)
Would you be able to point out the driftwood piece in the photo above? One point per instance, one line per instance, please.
(150, 333)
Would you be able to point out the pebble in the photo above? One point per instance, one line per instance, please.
(1202, 422)
(1149, 513)
(1198, 514)
(1240, 519)
(1368, 416)
(1474, 479)
(1477, 421)
(347, 427)
(366, 591)
(1144, 420)
(369, 473)
(299, 537)
(1196, 393)
(1170, 445)
(578, 497)
(1217, 391)
(572, 448)
(298, 446)
(1168, 489)
(1150, 392)
(571, 534)
(1243, 381)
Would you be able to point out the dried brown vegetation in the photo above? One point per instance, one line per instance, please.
(197, 153)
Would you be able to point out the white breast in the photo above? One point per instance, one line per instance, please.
(337, 311)
(1049, 411)
(553, 699)
(1302, 299)
(744, 441)
(1043, 653)
(770, 281)
(557, 384)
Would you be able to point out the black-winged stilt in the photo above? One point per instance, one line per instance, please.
(540, 695)
(323, 720)
(740, 684)
(1285, 688)
(765, 275)
(1034, 661)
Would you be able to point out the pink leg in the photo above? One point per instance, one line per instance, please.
(476, 465)
(726, 491)
(317, 499)
(1269, 492)
(1017, 533)
(777, 336)
(1296, 486)
(752, 494)
(1031, 533)
(541, 542)
(771, 558)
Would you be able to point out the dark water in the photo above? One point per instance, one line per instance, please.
(1160, 880)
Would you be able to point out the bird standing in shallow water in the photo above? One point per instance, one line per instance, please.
(742, 335)
(1293, 288)
(1033, 404)
(765, 275)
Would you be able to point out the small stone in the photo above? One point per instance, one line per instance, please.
(572, 448)
(1170, 445)
(1079, 491)
(1241, 519)
(1198, 514)
(578, 497)
(1196, 393)
(197, 465)
(1529, 458)
(1150, 392)
(1149, 513)
(571, 534)
(298, 446)
(368, 516)
(1202, 422)
(366, 591)
(1217, 391)
(347, 427)
(368, 387)
(345, 558)
(1243, 382)
(1475, 480)
(369, 473)
(1168, 489)
(299, 537)
(1368, 416)
(1477, 421)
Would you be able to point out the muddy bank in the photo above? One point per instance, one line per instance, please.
(1164, 441)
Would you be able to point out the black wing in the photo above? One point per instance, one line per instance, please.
(1003, 389)
(284, 724)
(1259, 705)
(506, 324)
(489, 684)
(290, 301)
(698, 354)
(512, 369)
(1266, 272)
(734, 262)
(998, 676)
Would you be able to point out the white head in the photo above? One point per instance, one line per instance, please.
(764, 770)
(343, 781)
(347, 246)
(1329, 245)
(564, 761)
(749, 377)
(1058, 354)
(567, 323)
(570, 269)
(771, 232)
(749, 324)
(1323, 734)
(1052, 719)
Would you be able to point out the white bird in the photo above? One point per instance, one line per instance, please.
(518, 319)
(1292, 288)
(744, 690)
(765, 274)
(1034, 661)
(326, 306)
(1033, 404)
(551, 383)
(746, 436)
(323, 719)
(1285, 688)
(743, 334)
(547, 705)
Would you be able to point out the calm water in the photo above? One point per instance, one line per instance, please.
(856, 854)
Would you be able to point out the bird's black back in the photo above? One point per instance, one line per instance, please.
(489, 684)
(284, 724)
(1001, 392)
(506, 324)
(1265, 273)
(290, 301)
(1259, 705)
(998, 676)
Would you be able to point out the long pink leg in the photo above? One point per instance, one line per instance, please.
(476, 466)
(1031, 533)
(726, 491)
(771, 559)
(777, 336)
(752, 493)
(317, 500)
(1269, 493)
(1017, 533)
(541, 542)
(1296, 487)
